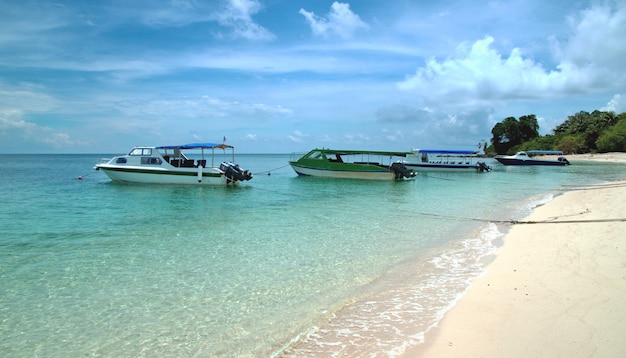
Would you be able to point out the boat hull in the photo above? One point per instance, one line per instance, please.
(343, 174)
(209, 176)
(510, 161)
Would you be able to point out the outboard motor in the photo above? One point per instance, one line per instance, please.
(482, 167)
(234, 173)
(564, 160)
(401, 171)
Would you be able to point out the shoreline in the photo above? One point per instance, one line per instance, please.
(614, 157)
(553, 289)
(611, 157)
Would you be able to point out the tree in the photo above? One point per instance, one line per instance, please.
(582, 132)
(574, 124)
(511, 132)
(569, 144)
(613, 139)
(588, 126)
(528, 127)
(504, 135)
(541, 142)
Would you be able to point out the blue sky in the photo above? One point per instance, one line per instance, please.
(278, 76)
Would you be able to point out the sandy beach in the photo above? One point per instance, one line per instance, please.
(556, 287)
(613, 157)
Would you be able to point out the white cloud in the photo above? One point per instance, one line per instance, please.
(234, 15)
(12, 120)
(61, 140)
(437, 127)
(597, 37)
(394, 136)
(479, 72)
(16, 101)
(297, 137)
(237, 16)
(14, 130)
(592, 59)
(171, 14)
(26, 97)
(198, 108)
(339, 21)
(617, 104)
(403, 113)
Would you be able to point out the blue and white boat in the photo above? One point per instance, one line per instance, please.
(176, 164)
(529, 158)
(445, 160)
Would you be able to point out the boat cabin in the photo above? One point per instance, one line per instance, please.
(436, 156)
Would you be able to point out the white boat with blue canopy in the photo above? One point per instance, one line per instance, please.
(192, 163)
(445, 160)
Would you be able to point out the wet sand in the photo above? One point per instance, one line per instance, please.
(556, 287)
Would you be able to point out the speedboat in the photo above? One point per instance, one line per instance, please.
(176, 164)
(352, 164)
(528, 158)
(445, 160)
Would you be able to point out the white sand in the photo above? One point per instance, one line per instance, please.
(616, 157)
(553, 290)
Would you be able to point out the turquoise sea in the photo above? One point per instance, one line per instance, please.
(279, 266)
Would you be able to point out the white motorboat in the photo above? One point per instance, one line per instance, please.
(177, 164)
(529, 158)
(445, 160)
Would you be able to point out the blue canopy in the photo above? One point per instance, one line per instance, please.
(545, 152)
(446, 151)
(196, 146)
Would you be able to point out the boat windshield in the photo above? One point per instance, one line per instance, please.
(316, 155)
(141, 151)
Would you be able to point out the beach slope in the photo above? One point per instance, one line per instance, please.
(556, 288)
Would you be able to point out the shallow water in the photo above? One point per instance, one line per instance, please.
(281, 265)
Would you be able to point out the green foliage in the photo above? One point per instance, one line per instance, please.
(614, 138)
(587, 128)
(528, 127)
(581, 133)
(570, 144)
(512, 132)
(547, 142)
(584, 122)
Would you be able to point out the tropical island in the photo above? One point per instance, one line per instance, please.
(581, 133)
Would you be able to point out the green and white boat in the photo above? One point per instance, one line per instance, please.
(353, 164)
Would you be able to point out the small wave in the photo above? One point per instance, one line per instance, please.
(395, 313)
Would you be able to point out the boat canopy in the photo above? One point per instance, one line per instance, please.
(446, 151)
(544, 152)
(353, 152)
(196, 146)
